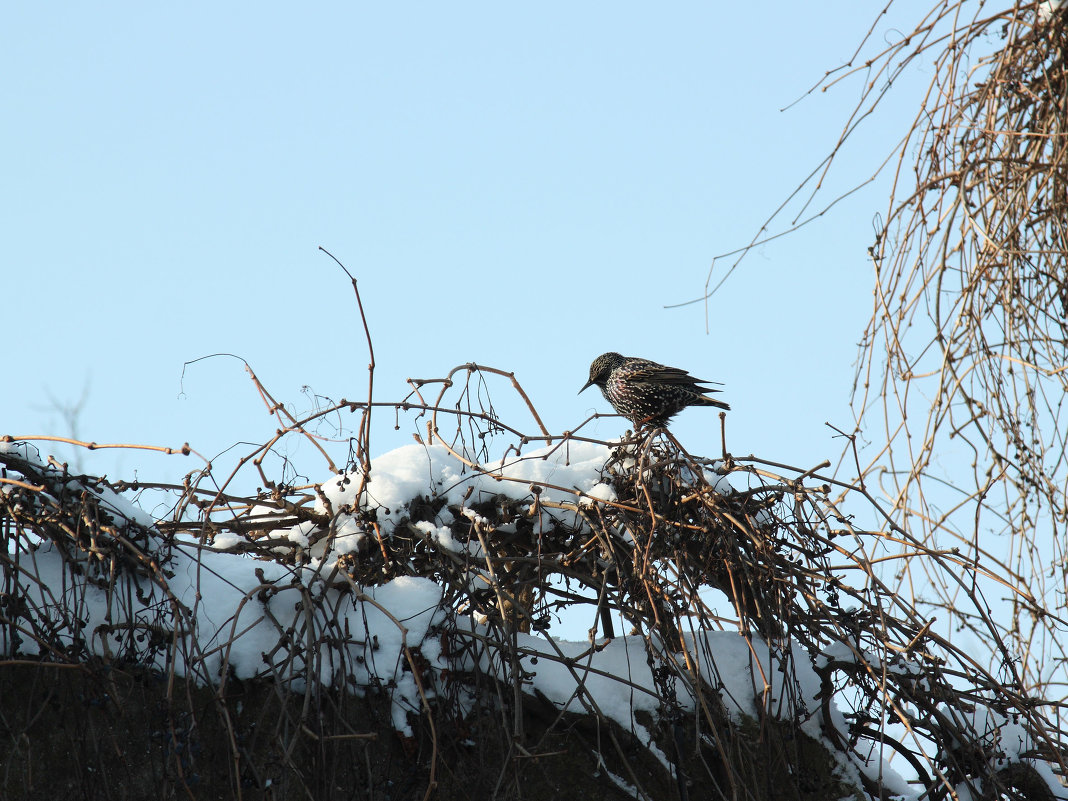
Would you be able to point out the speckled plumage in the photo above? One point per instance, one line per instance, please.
(647, 393)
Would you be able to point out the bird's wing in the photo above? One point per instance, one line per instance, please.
(662, 374)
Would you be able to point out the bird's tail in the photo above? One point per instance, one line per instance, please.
(707, 401)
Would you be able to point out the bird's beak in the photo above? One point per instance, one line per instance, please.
(586, 386)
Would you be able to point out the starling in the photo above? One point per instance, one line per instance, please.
(645, 392)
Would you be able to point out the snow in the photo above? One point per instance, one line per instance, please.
(1048, 9)
(620, 782)
(442, 535)
(298, 535)
(551, 473)
(414, 471)
(226, 539)
(347, 539)
(114, 502)
(21, 449)
(599, 492)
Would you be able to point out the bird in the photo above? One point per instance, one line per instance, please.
(645, 392)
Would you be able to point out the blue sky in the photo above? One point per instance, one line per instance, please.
(522, 186)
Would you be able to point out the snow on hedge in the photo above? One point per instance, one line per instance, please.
(218, 614)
